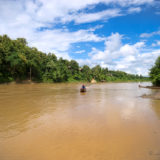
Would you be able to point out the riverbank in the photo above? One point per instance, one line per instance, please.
(34, 82)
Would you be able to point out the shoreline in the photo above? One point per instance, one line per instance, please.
(36, 82)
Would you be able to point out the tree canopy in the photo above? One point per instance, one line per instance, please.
(20, 62)
(155, 73)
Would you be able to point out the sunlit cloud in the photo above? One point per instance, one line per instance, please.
(134, 10)
(147, 35)
(131, 58)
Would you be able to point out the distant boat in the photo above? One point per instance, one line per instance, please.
(83, 90)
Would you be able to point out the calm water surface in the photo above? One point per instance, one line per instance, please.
(56, 122)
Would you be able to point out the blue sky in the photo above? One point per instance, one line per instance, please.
(118, 34)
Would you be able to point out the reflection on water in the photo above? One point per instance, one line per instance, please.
(56, 121)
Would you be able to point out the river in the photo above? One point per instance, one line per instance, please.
(111, 121)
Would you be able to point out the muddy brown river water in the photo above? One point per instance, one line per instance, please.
(57, 122)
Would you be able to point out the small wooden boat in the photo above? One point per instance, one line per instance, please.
(83, 90)
(150, 87)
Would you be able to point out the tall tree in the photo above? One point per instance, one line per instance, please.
(155, 73)
(86, 73)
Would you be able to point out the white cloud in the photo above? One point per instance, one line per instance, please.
(128, 50)
(156, 44)
(147, 35)
(81, 51)
(113, 42)
(139, 44)
(133, 2)
(91, 17)
(95, 28)
(50, 11)
(131, 58)
(85, 62)
(59, 41)
(134, 10)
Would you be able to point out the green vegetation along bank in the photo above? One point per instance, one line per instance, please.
(155, 73)
(20, 62)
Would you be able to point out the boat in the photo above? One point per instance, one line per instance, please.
(83, 90)
(150, 87)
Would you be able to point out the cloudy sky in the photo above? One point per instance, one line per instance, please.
(118, 34)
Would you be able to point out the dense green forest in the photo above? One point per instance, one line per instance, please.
(20, 62)
(155, 73)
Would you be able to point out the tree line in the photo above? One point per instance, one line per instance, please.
(20, 62)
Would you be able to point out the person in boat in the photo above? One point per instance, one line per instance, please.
(83, 86)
